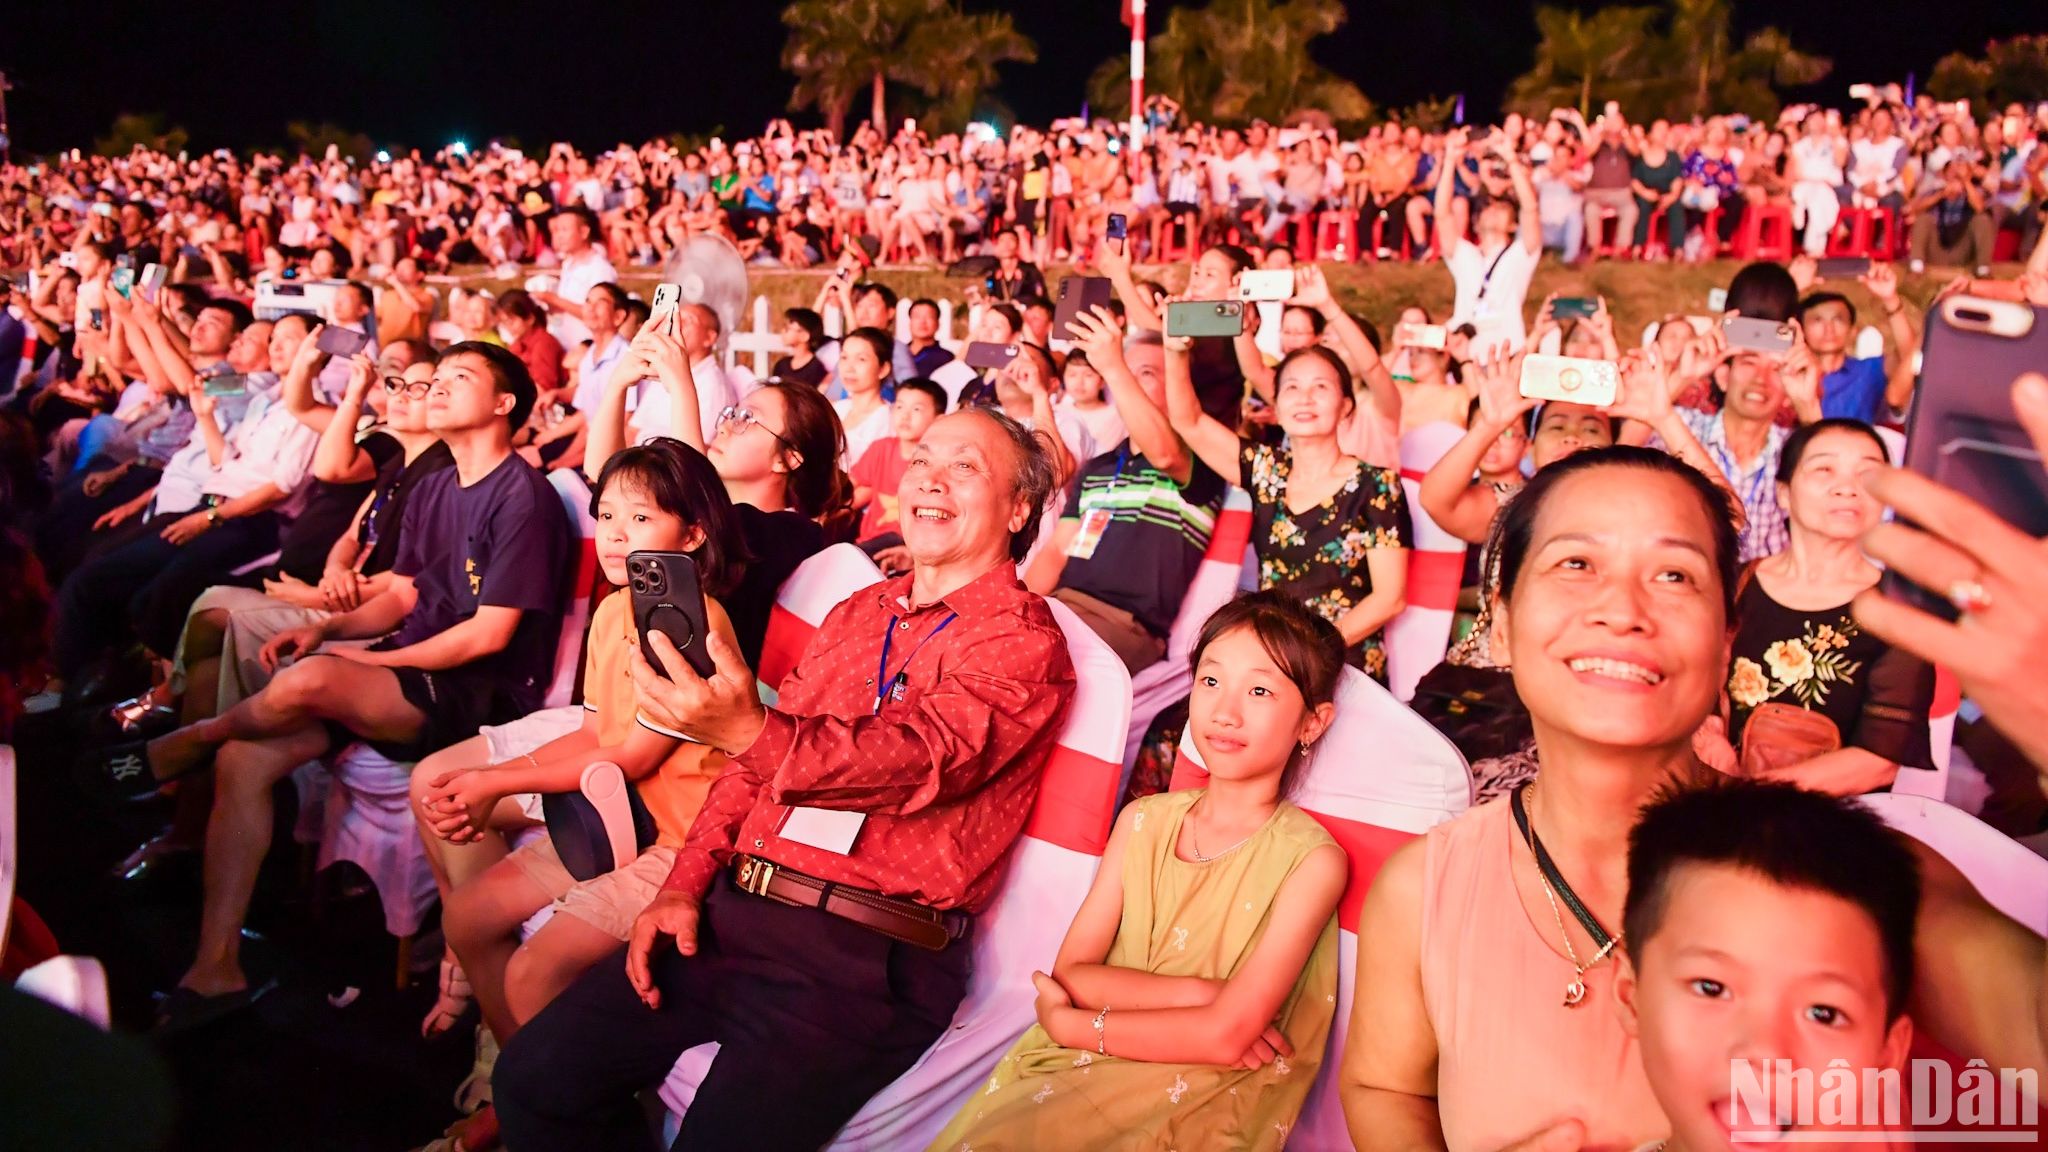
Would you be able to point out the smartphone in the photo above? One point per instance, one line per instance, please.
(1117, 228)
(226, 384)
(102, 208)
(982, 354)
(1574, 307)
(668, 599)
(1842, 267)
(1717, 300)
(152, 279)
(1581, 381)
(338, 341)
(67, 260)
(1205, 318)
(1962, 432)
(667, 298)
(98, 319)
(1276, 284)
(1771, 336)
(1077, 295)
(1420, 336)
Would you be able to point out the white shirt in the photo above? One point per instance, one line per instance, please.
(267, 446)
(594, 370)
(573, 282)
(1105, 425)
(879, 425)
(652, 413)
(1877, 163)
(1492, 304)
(1816, 160)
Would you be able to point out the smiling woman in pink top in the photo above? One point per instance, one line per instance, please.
(1485, 1016)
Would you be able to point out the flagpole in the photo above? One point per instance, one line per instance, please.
(1137, 71)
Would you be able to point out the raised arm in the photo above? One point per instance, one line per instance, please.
(1446, 192)
(298, 384)
(607, 431)
(1457, 502)
(664, 354)
(338, 458)
(1529, 231)
(1212, 442)
(1883, 282)
(1312, 290)
(1151, 433)
(1138, 309)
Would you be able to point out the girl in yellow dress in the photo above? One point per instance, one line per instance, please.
(1192, 997)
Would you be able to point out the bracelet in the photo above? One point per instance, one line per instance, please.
(1101, 1049)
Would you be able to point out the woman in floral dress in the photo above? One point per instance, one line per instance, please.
(1799, 643)
(1329, 529)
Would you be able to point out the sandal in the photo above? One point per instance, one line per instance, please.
(187, 1008)
(454, 1000)
(474, 1093)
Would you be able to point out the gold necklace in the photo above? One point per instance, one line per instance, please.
(1195, 841)
(1575, 991)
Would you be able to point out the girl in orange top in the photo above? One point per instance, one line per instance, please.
(661, 496)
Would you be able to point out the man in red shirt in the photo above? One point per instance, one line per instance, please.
(823, 905)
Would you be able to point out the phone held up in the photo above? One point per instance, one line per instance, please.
(342, 342)
(1571, 378)
(1747, 332)
(667, 598)
(1962, 431)
(667, 298)
(1205, 318)
(983, 354)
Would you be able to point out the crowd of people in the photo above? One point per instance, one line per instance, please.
(1952, 177)
(323, 529)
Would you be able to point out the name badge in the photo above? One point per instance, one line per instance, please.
(825, 829)
(1094, 523)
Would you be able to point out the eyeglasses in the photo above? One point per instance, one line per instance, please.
(413, 389)
(741, 419)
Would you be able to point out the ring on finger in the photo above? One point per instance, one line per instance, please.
(1969, 596)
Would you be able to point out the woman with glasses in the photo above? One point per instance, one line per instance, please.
(778, 452)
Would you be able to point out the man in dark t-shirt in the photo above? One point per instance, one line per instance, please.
(469, 622)
(1137, 519)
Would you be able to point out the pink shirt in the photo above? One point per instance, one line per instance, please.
(1512, 1059)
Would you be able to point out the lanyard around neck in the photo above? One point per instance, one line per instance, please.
(885, 686)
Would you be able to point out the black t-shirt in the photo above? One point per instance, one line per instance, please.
(1219, 380)
(380, 531)
(501, 542)
(328, 511)
(812, 373)
(779, 541)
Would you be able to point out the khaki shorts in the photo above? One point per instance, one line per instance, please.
(609, 903)
(503, 742)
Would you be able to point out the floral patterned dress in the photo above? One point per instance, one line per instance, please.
(1319, 555)
(1822, 661)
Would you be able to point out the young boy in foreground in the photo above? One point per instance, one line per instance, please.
(1769, 931)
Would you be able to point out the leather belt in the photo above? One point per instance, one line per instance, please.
(912, 923)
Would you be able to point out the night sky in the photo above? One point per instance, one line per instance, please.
(422, 72)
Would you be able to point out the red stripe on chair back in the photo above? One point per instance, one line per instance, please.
(1434, 579)
(1366, 846)
(1233, 530)
(1076, 801)
(788, 635)
(1948, 695)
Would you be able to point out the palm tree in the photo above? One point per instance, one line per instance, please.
(1585, 59)
(1238, 59)
(838, 47)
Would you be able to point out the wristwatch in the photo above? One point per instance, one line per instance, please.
(213, 515)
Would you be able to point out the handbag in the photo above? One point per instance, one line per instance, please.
(1782, 735)
(1477, 709)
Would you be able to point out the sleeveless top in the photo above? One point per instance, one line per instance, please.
(1180, 918)
(1512, 1059)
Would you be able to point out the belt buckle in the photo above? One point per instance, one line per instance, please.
(754, 875)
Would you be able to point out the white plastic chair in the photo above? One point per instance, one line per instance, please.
(1380, 777)
(1417, 638)
(1215, 584)
(2011, 878)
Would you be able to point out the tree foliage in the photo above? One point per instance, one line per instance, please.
(1234, 60)
(310, 139)
(140, 129)
(2010, 70)
(1680, 61)
(840, 49)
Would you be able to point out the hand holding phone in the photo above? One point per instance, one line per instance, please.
(340, 342)
(1772, 337)
(668, 598)
(1570, 378)
(1205, 318)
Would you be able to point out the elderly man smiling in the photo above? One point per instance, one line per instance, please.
(822, 904)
